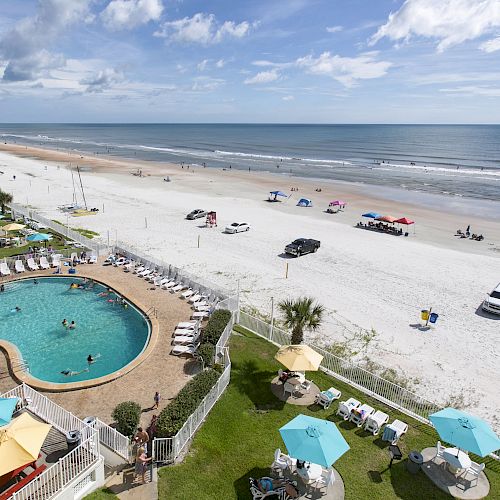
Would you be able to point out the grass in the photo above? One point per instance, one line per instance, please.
(84, 232)
(241, 433)
(101, 494)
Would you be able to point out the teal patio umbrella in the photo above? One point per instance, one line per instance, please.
(465, 431)
(7, 407)
(39, 237)
(313, 440)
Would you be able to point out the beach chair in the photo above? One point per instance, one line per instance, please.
(121, 261)
(185, 339)
(359, 415)
(56, 260)
(4, 269)
(187, 324)
(202, 308)
(129, 266)
(346, 407)
(92, 259)
(145, 273)
(194, 298)
(19, 267)
(393, 431)
(188, 293)
(44, 263)
(326, 398)
(276, 494)
(139, 269)
(33, 266)
(375, 422)
(201, 314)
(189, 349)
(157, 280)
(178, 288)
(186, 331)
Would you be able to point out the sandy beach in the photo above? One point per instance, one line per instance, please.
(372, 285)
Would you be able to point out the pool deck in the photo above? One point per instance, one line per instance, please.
(156, 370)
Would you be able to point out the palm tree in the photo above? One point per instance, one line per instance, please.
(301, 314)
(5, 199)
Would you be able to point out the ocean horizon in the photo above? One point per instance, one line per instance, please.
(453, 160)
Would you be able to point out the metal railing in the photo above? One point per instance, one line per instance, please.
(167, 450)
(113, 439)
(220, 348)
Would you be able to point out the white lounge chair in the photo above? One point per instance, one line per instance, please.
(151, 277)
(187, 324)
(129, 266)
(32, 264)
(393, 431)
(375, 422)
(186, 331)
(121, 261)
(185, 339)
(188, 293)
(359, 415)
(139, 269)
(326, 398)
(189, 349)
(169, 285)
(202, 308)
(44, 263)
(474, 470)
(194, 298)
(145, 273)
(257, 494)
(178, 288)
(165, 281)
(346, 407)
(92, 259)
(56, 260)
(19, 267)
(200, 314)
(4, 269)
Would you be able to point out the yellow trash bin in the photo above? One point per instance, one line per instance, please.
(424, 314)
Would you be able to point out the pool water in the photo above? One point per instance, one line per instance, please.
(114, 335)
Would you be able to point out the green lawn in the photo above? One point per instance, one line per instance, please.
(240, 435)
(102, 494)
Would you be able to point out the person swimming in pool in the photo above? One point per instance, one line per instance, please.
(91, 358)
(72, 325)
(71, 373)
(16, 309)
(65, 323)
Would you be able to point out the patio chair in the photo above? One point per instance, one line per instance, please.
(195, 298)
(325, 398)
(326, 479)
(74, 257)
(32, 264)
(282, 462)
(375, 422)
(278, 493)
(145, 273)
(439, 451)
(359, 415)
(163, 281)
(170, 284)
(56, 260)
(186, 331)
(393, 431)
(92, 259)
(345, 407)
(475, 471)
(44, 263)
(121, 261)
(306, 386)
(19, 267)
(189, 349)
(4, 269)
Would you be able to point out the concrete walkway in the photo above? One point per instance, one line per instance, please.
(127, 487)
(310, 492)
(461, 486)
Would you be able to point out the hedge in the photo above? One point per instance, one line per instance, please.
(174, 416)
(127, 416)
(216, 325)
(206, 352)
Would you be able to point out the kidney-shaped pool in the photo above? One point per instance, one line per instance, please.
(32, 311)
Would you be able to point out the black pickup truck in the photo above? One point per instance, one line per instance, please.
(301, 246)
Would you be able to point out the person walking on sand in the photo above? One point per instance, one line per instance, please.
(141, 464)
(156, 398)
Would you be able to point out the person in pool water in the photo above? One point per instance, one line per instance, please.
(71, 373)
(90, 359)
(65, 323)
(72, 325)
(17, 309)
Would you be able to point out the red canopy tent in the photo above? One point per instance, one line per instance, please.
(387, 218)
(405, 220)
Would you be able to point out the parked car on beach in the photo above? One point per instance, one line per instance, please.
(492, 303)
(196, 214)
(302, 246)
(237, 227)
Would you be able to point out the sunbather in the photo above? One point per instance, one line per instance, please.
(266, 484)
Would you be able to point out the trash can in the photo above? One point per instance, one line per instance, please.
(90, 421)
(73, 439)
(415, 460)
(424, 314)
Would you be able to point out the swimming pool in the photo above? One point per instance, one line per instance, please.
(111, 333)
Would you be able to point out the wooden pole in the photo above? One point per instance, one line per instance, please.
(286, 271)
(428, 316)
(198, 241)
(146, 221)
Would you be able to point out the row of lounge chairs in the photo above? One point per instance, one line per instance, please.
(43, 263)
(363, 415)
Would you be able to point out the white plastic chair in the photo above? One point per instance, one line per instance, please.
(474, 470)
(375, 422)
(439, 451)
(4, 269)
(44, 263)
(280, 463)
(326, 479)
(345, 407)
(326, 398)
(19, 266)
(306, 386)
(32, 264)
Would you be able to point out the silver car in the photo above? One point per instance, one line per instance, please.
(492, 303)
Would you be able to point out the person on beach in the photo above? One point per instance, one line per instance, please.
(141, 463)
(72, 325)
(157, 399)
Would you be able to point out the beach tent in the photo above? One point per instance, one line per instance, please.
(405, 221)
(339, 203)
(371, 215)
(275, 194)
(39, 237)
(386, 218)
(305, 202)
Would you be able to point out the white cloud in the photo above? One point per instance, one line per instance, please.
(450, 22)
(288, 98)
(220, 63)
(474, 91)
(334, 29)
(206, 84)
(202, 66)
(102, 80)
(263, 77)
(25, 48)
(346, 70)
(127, 14)
(203, 29)
(491, 45)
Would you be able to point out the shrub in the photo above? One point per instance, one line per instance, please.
(206, 352)
(216, 325)
(174, 416)
(127, 416)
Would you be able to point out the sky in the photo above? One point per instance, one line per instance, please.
(257, 61)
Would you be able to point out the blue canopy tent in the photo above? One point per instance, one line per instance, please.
(7, 407)
(371, 215)
(39, 237)
(305, 202)
(275, 194)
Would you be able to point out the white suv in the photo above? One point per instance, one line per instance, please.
(492, 303)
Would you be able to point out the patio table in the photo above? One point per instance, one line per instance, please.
(291, 385)
(456, 459)
(310, 472)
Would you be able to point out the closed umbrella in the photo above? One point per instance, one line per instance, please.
(465, 431)
(39, 237)
(313, 440)
(20, 442)
(299, 358)
(7, 407)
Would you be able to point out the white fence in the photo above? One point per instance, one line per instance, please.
(220, 347)
(166, 450)
(114, 440)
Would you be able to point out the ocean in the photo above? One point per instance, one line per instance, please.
(453, 160)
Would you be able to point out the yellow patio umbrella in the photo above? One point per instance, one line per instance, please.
(299, 358)
(20, 442)
(14, 226)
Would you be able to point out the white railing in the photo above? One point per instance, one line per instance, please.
(166, 450)
(113, 439)
(221, 343)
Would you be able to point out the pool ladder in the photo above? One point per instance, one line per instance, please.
(152, 312)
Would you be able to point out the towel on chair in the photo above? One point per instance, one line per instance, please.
(389, 434)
